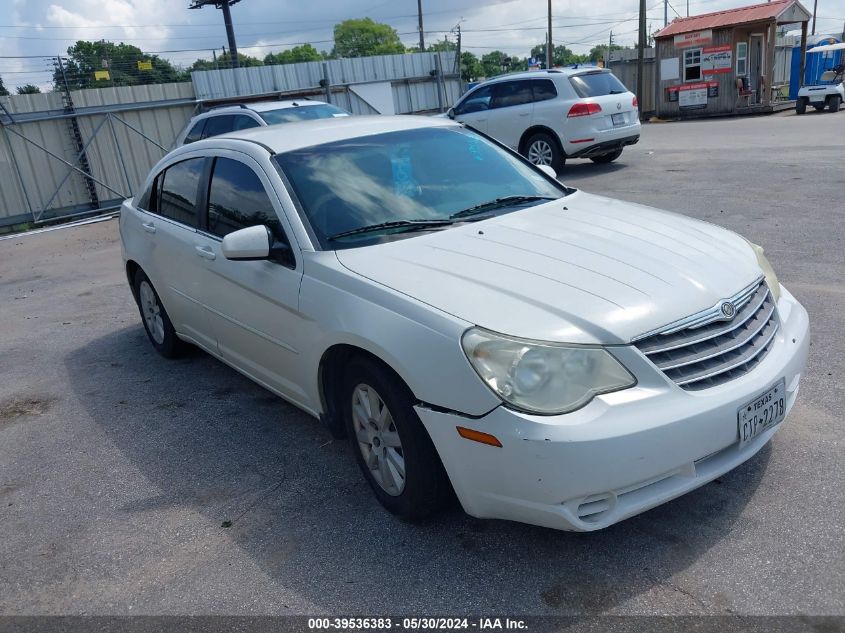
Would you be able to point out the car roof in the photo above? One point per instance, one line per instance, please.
(567, 71)
(299, 134)
(264, 106)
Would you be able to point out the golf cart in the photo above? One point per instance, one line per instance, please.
(830, 94)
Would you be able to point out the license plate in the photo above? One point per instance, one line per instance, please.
(762, 413)
(618, 119)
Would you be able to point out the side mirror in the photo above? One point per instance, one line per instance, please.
(450, 113)
(549, 171)
(249, 244)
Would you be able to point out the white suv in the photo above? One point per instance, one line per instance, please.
(549, 116)
(233, 118)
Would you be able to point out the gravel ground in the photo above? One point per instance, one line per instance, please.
(118, 468)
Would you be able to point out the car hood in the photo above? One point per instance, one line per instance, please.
(582, 269)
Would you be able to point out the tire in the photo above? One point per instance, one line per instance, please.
(607, 158)
(542, 149)
(835, 102)
(154, 317)
(801, 105)
(391, 446)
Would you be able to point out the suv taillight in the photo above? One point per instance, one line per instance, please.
(584, 109)
(635, 103)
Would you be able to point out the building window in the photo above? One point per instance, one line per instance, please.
(692, 65)
(741, 59)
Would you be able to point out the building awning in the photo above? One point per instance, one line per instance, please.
(782, 11)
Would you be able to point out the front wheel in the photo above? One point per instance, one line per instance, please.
(391, 446)
(801, 105)
(542, 149)
(835, 102)
(607, 158)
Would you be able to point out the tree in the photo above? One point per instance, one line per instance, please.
(600, 51)
(3, 91)
(295, 55)
(561, 56)
(28, 89)
(225, 61)
(471, 68)
(444, 46)
(495, 63)
(365, 37)
(121, 62)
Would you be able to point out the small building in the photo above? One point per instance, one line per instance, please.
(723, 63)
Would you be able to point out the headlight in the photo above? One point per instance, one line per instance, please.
(768, 271)
(539, 377)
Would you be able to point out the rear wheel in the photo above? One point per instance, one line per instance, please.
(391, 446)
(835, 102)
(156, 322)
(542, 149)
(607, 158)
(801, 105)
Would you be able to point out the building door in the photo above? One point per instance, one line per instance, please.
(755, 68)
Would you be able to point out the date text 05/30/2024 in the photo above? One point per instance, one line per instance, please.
(410, 623)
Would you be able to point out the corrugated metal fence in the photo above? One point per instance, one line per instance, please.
(624, 65)
(51, 167)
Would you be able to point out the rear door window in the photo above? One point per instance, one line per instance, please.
(179, 191)
(218, 125)
(243, 122)
(544, 89)
(597, 84)
(512, 93)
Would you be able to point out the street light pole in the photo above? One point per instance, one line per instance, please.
(422, 34)
(550, 45)
(225, 5)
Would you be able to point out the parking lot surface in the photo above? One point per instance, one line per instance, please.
(119, 469)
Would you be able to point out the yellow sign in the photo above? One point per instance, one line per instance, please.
(145, 65)
(101, 74)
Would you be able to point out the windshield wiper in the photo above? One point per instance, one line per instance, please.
(406, 226)
(505, 201)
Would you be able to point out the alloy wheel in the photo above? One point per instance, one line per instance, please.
(151, 310)
(378, 439)
(540, 153)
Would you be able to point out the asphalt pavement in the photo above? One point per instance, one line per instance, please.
(119, 469)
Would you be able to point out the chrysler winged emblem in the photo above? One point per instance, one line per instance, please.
(728, 310)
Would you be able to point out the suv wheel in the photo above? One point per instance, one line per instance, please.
(835, 102)
(801, 105)
(542, 149)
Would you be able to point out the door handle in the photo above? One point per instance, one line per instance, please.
(149, 227)
(205, 252)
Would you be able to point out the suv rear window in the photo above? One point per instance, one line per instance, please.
(597, 84)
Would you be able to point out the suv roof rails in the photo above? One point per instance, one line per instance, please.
(227, 105)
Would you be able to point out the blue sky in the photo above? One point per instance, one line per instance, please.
(45, 27)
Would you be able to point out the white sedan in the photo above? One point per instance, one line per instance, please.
(468, 322)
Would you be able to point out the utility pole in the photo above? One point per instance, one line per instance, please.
(640, 54)
(422, 33)
(550, 46)
(609, 46)
(458, 59)
(815, 6)
(227, 20)
(665, 13)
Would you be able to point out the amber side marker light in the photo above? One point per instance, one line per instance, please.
(478, 436)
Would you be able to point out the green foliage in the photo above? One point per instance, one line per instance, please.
(561, 56)
(297, 54)
(600, 52)
(471, 68)
(28, 89)
(496, 63)
(3, 91)
(225, 61)
(365, 37)
(121, 61)
(443, 46)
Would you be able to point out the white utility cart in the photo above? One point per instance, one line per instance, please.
(830, 94)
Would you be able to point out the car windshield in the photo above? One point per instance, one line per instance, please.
(302, 113)
(420, 179)
(597, 84)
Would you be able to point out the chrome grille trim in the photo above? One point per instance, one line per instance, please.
(705, 355)
(700, 319)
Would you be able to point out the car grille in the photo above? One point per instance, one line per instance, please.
(707, 349)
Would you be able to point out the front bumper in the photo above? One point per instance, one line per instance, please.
(622, 454)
